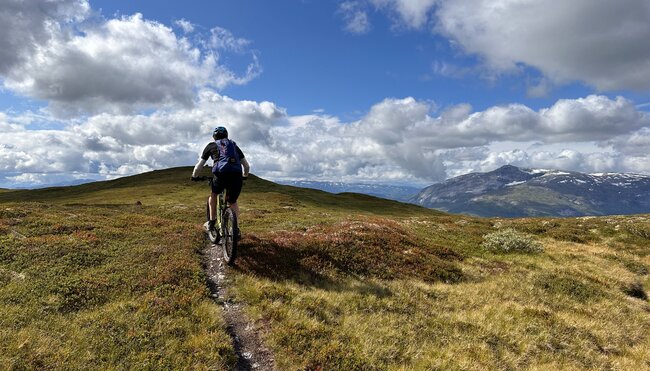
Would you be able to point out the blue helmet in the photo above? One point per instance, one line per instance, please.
(220, 132)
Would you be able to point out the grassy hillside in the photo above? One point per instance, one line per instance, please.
(88, 278)
(533, 201)
(524, 201)
(111, 285)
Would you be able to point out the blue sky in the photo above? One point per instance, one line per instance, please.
(392, 91)
(310, 62)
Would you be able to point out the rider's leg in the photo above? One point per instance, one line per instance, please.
(213, 206)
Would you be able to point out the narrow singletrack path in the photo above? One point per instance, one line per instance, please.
(251, 352)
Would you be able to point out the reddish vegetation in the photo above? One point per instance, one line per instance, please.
(375, 247)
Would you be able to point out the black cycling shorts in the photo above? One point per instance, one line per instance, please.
(232, 182)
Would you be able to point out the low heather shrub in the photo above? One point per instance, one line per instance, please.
(635, 290)
(639, 230)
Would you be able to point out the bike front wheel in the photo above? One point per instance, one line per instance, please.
(229, 240)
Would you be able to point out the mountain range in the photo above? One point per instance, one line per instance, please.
(508, 191)
(514, 192)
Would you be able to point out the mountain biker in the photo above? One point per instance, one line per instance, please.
(228, 161)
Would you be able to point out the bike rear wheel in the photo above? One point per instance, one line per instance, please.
(229, 241)
(213, 235)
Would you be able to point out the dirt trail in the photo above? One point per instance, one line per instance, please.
(251, 352)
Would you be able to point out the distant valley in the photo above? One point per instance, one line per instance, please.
(391, 192)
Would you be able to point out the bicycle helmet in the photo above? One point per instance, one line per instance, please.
(219, 133)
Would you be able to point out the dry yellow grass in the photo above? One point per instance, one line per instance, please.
(343, 282)
(562, 309)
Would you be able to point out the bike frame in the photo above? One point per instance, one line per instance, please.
(223, 229)
(222, 205)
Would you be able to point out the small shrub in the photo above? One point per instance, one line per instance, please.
(635, 290)
(569, 286)
(509, 240)
(636, 267)
(639, 230)
(572, 233)
(377, 248)
(5, 277)
(632, 265)
(76, 293)
(11, 213)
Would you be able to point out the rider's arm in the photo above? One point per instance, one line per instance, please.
(198, 167)
(205, 155)
(246, 166)
(243, 161)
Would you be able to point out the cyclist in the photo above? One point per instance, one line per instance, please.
(228, 161)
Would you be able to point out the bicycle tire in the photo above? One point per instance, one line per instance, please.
(213, 236)
(229, 242)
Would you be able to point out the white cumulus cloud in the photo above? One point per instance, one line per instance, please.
(80, 65)
(600, 42)
(26, 25)
(396, 141)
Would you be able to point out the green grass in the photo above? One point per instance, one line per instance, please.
(104, 287)
(89, 279)
(529, 200)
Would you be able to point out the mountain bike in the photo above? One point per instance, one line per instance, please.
(226, 227)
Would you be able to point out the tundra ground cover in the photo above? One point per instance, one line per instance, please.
(337, 281)
(104, 287)
(572, 306)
